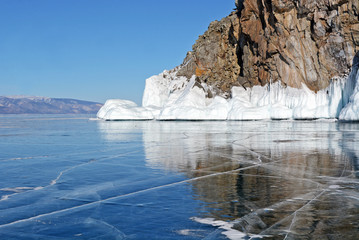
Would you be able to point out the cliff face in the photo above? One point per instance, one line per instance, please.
(305, 41)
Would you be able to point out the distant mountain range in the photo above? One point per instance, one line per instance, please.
(46, 105)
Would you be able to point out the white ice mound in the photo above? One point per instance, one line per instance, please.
(157, 89)
(171, 97)
(115, 109)
(187, 101)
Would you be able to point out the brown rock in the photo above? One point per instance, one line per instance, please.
(296, 42)
(214, 56)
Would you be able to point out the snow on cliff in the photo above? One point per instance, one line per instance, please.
(169, 97)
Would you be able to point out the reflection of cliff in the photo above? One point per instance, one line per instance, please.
(349, 144)
(276, 178)
(122, 131)
(202, 145)
(286, 167)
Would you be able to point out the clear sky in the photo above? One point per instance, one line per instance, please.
(96, 49)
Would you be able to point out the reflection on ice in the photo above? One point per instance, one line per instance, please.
(283, 178)
(350, 144)
(289, 179)
(183, 180)
(121, 130)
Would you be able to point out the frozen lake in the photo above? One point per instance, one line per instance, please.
(65, 177)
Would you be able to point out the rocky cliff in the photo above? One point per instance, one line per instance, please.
(269, 59)
(262, 41)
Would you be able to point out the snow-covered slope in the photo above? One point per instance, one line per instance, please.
(169, 97)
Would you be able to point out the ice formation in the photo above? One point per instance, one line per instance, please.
(115, 109)
(350, 112)
(169, 97)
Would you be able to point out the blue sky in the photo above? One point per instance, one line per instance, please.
(96, 49)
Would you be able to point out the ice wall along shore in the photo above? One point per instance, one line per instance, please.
(169, 97)
(350, 112)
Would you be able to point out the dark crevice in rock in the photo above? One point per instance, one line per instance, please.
(271, 19)
(239, 7)
(261, 14)
(329, 30)
(283, 59)
(240, 47)
(240, 60)
(312, 35)
(231, 38)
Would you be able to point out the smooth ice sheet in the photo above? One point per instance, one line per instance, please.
(70, 178)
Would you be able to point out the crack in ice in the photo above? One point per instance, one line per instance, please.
(126, 195)
(298, 210)
(54, 181)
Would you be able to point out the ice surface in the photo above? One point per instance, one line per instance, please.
(285, 151)
(80, 179)
(169, 97)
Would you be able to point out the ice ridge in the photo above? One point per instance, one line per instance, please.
(170, 97)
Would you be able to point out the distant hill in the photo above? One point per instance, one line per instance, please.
(45, 105)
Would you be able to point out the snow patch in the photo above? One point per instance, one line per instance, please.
(229, 232)
(190, 232)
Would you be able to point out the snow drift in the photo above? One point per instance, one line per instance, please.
(169, 97)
